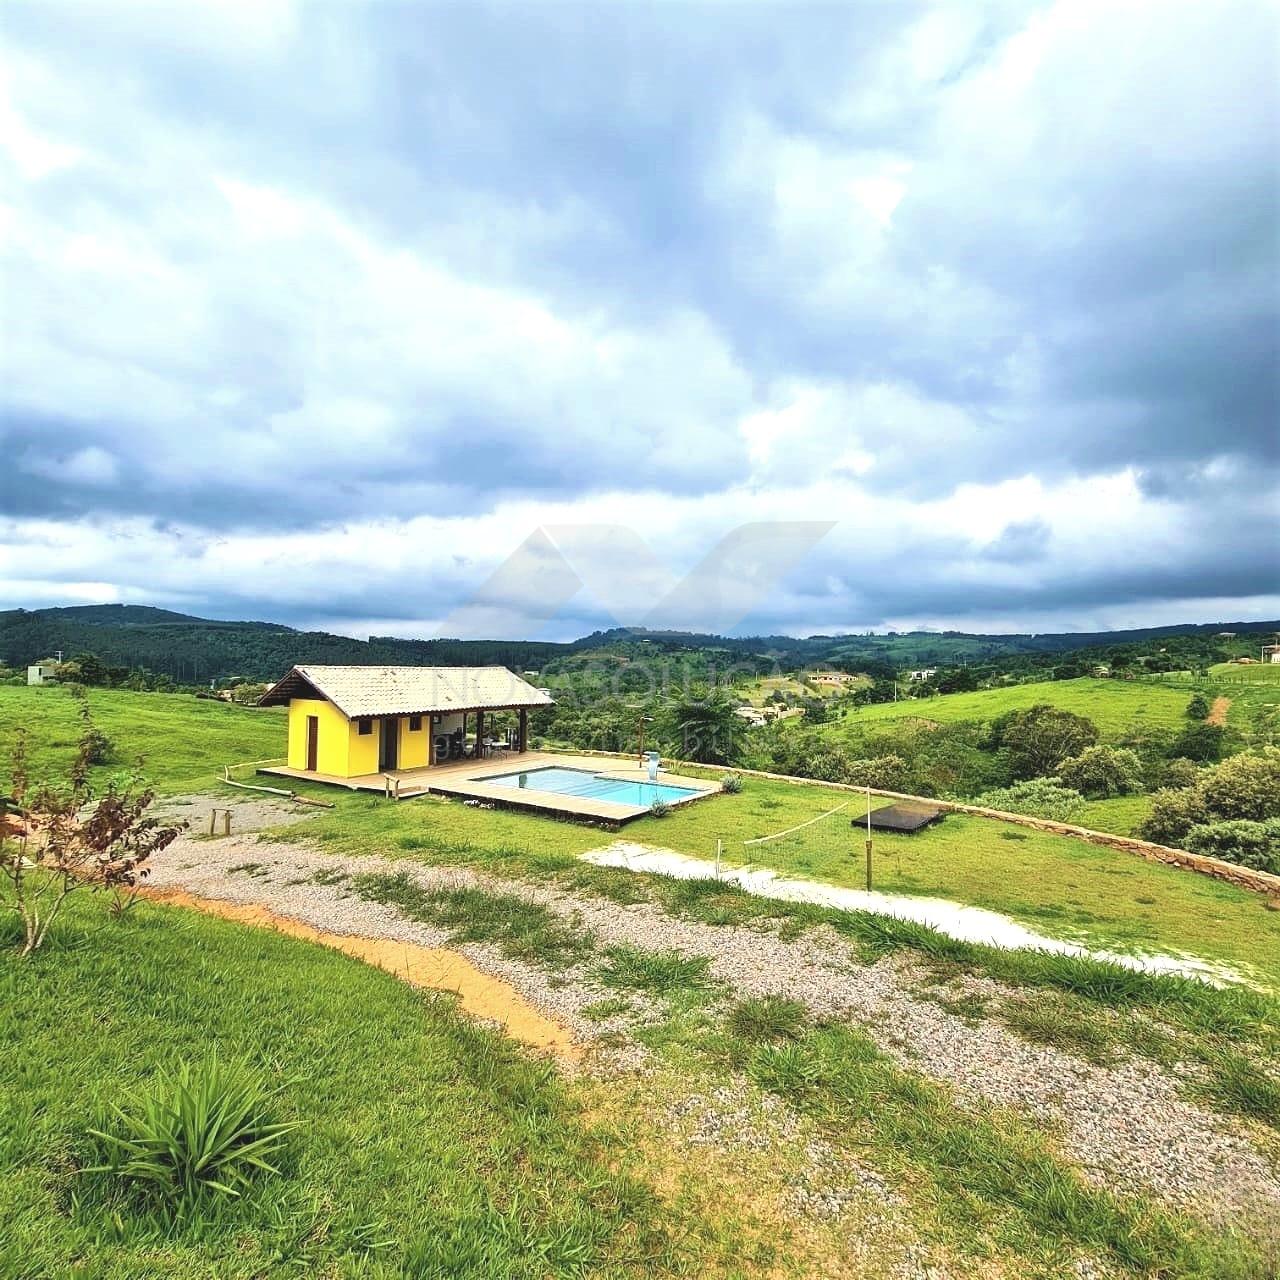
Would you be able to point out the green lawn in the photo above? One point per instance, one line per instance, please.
(1115, 706)
(1060, 886)
(182, 741)
(1120, 814)
(1253, 673)
(470, 1158)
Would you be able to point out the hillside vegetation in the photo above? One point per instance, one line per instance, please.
(178, 742)
(1115, 706)
(189, 649)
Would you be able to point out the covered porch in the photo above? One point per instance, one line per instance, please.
(476, 733)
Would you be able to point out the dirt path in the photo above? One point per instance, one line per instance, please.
(1126, 1125)
(482, 996)
(1218, 712)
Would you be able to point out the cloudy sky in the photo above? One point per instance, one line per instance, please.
(320, 312)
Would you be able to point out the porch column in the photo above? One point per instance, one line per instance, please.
(479, 734)
(523, 740)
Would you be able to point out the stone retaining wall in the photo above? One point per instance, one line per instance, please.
(1256, 881)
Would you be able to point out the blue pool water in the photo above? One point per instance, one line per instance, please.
(580, 782)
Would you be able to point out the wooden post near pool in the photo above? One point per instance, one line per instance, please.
(868, 839)
(523, 741)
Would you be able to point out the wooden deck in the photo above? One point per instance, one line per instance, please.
(466, 779)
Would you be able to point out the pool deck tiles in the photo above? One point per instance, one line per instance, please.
(467, 780)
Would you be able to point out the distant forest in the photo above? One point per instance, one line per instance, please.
(191, 650)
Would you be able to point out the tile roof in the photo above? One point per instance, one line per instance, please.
(390, 691)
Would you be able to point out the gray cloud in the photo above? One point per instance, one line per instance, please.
(290, 270)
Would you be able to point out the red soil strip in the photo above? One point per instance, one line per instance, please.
(480, 994)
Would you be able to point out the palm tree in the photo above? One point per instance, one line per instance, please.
(708, 728)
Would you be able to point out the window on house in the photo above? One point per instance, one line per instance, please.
(415, 723)
(364, 725)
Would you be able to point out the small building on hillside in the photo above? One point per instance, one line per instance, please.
(42, 673)
(1271, 653)
(924, 673)
(351, 722)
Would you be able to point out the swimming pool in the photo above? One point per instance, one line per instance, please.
(591, 786)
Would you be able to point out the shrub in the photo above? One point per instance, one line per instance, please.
(1101, 772)
(885, 773)
(1038, 798)
(97, 747)
(1251, 844)
(198, 1132)
(69, 841)
(1179, 772)
(1174, 811)
(1036, 741)
(659, 809)
(1198, 707)
(731, 784)
(1244, 787)
(1199, 741)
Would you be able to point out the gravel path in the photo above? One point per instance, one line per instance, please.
(1126, 1125)
(956, 920)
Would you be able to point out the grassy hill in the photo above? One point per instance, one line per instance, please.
(1115, 706)
(190, 649)
(456, 1155)
(1254, 673)
(180, 742)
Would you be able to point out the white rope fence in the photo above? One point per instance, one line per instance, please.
(777, 835)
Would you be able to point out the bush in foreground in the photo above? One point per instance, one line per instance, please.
(1251, 844)
(200, 1132)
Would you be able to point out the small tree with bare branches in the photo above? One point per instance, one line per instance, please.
(64, 839)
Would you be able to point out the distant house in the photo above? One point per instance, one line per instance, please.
(925, 673)
(1271, 653)
(830, 677)
(350, 722)
(42, 673)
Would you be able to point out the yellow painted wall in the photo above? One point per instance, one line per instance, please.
(342, 750)
(414, 744)
(362, 749)
(333, 750)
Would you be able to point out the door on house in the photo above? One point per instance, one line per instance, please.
(313, 743)
(389, 743)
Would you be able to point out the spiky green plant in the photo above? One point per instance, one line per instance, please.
(201, 1130)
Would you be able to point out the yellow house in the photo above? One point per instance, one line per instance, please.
(350, 722)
